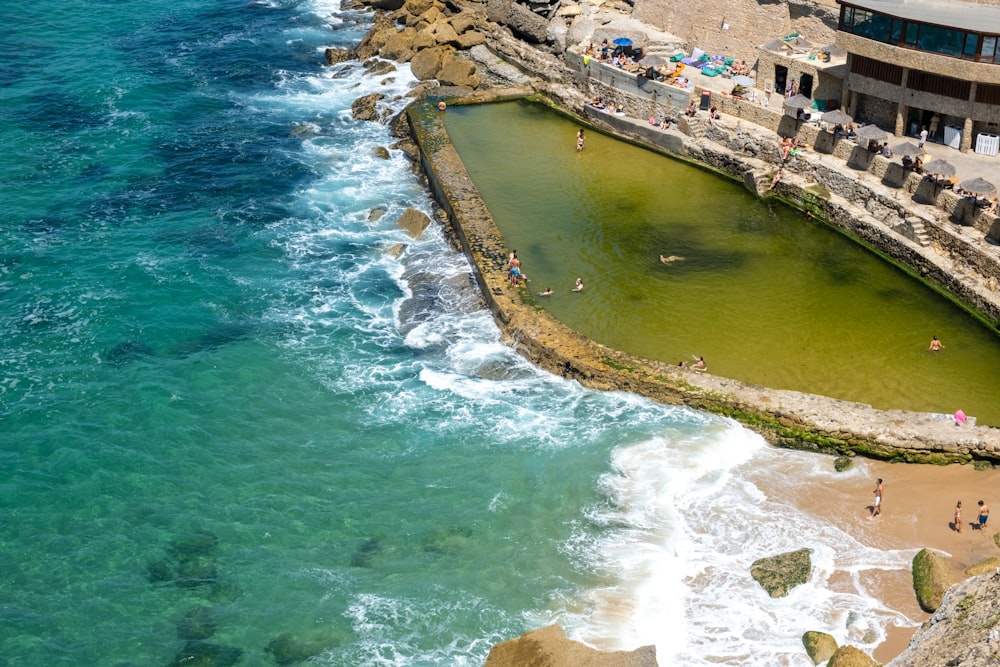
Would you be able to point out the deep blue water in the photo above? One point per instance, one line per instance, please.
(229, 416)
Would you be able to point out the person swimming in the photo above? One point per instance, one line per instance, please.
(579, 285)
(672, 258)
(547, 292)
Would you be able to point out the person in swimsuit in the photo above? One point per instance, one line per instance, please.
(877, 504)
(958, 517)
(579, 285)
(579, 140)
(935, 344)
(984, 514)
(515, 269)
(547, 292)
(699, 363)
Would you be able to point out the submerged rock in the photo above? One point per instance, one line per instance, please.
(127, 351)
(780, 574)
(196, 624)
(287, 649)
(202, 654)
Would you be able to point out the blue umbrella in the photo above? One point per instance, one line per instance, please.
(622, 41)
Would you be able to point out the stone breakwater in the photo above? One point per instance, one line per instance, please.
(784, 418)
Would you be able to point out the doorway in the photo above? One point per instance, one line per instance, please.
(780, 79)
(806, 85)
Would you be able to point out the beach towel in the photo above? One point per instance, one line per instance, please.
(712, 71)
(676, 58)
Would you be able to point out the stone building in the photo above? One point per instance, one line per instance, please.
(818, 72)
(916, 63)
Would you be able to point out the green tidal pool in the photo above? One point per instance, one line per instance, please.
(765, 294)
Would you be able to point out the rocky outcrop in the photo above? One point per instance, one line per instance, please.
(549, 647)
(930, 579)
(965, 629)
(780, 574)
(364, 108)
(427, 34)
(819, 645)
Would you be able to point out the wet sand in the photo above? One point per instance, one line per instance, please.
(917, 512)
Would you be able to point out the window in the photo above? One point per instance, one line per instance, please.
(896, 32)
(988, 49)
(911, 34)
(971, 44)
(941, 40)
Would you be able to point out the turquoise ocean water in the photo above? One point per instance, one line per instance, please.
(229, 416)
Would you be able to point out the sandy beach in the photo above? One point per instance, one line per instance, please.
(917, 512)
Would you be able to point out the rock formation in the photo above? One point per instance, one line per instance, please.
(965, 629)
(549, 647)
(780, 574)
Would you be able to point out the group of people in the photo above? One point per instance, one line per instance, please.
(791, 146)
(576, 288)
(598, 103)
(981, 518)
(698, 365)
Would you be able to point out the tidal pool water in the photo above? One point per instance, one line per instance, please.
(765, 294)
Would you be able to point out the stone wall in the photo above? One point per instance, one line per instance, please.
(735, 27)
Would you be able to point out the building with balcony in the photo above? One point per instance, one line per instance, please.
(916, 63)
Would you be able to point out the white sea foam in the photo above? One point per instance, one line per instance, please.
(679, 533)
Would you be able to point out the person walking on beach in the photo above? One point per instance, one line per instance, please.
(935, 344)
(958, 517)
(984, 514)
(877, 504)
(579, 140)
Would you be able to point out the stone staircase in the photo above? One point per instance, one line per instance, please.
(919, 231)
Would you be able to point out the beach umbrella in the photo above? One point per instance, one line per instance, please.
(798, 102)
(743, 80)
(622, 41)
(978, 186)
(870, 133)
(836, 117)
(940, 167)
(907, 148)
(654, 60)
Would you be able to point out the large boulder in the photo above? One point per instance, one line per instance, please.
(497, 11)
(780, 574)
(527, 25)
(471, 38)
(930, 579)
(819, 645)
(458, 72)
(382, 29)
(414, 222)
(427, 63)
(848, 656)
(335, 56)
(467, 20)
(549, 647)
(364, 108)
(399, 45)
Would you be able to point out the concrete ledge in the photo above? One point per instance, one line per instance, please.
(785, 418)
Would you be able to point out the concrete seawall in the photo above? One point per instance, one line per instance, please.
(785, 418)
